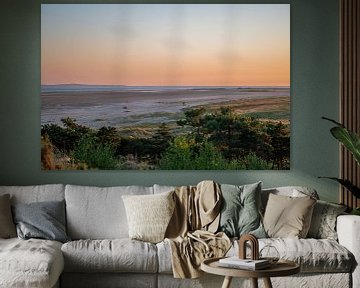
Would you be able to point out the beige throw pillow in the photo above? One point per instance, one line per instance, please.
(148, 215)
(288, 217)
(7, 226)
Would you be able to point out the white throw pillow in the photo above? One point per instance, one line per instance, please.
(149, 215)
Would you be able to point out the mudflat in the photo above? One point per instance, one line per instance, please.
(151, 107)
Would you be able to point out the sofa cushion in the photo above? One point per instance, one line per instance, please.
(163, 188)
(117, 255)
(98, 213)
(7, 226)
(323, 222)
(149, 215)
(36, 193)
(291, 191)
(30, 263)
(43, 220)
(313, 255)
(287, 216)
(240, 210)
(164, 257)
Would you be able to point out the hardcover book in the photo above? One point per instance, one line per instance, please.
(249, 264)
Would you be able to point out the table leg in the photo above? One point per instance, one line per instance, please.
(267, 283)
(227, 282)
(254, 282)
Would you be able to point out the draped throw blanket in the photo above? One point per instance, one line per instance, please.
(191, 231)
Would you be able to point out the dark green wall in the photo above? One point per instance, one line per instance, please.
(314, 91)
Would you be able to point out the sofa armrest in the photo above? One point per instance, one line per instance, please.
(348, 230)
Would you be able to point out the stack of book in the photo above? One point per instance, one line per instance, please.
(248, 264)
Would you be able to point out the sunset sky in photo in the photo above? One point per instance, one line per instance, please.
(158, 44)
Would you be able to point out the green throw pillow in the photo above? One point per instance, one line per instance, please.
(240, 213)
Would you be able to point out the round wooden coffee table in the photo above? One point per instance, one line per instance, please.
(281, 268)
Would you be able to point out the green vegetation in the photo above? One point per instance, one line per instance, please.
(274, 115)
(201, 140)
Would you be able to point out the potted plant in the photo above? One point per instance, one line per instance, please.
(351, 141)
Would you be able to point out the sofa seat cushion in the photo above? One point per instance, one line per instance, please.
(30, 263)
(313, 255)
(115, 255)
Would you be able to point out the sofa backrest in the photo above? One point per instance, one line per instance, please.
(35, 193)
(98, 212)
(163, 188)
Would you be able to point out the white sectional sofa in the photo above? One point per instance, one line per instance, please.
(102, 255)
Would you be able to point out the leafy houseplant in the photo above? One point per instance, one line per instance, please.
(351, 141)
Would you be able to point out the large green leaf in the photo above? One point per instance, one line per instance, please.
(348, 185)
(348, 138)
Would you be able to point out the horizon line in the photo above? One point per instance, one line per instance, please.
(125, 85)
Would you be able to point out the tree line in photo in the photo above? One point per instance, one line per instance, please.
(218, 140)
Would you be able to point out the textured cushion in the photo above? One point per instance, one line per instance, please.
(7, 227)
(117, 255)
(323, 222)
(149, 215)
(287, 216)
(98, 213)
(313, 255)
(44, 220)
(240, 210)
(36, 193)
(31, 263)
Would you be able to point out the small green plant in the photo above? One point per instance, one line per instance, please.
(351, 141)
(95, 155)
(186, 154)
(253, 162)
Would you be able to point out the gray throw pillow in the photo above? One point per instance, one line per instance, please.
(323, 222)
(7, 227)
(240, 213)
(44, 220)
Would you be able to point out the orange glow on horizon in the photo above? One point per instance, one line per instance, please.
(108, 70)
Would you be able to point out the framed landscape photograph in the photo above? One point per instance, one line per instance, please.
(165, 86)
